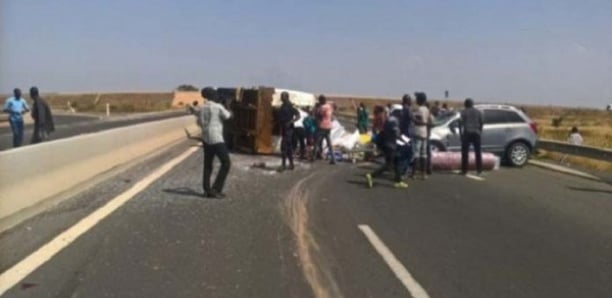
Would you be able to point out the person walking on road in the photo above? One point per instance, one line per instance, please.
(362, 119)
(421, 121)
(391, 139)
(212, 115)
(287, 116)
(43, 119)
(325, 116)
(470, 130)
(16, 106)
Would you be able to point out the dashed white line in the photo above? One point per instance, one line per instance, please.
(477, 178)
(398, 269)
(18, 272)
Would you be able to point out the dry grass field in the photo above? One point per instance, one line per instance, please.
(595, 126)
(119, 102)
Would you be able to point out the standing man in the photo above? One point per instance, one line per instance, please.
(470, 129)
(43, 119)
(362, 118)
(406, 129)
(325, 116)
(300, 134)
(421, 119)
(212, 115)
(286, 117)
(16, 106)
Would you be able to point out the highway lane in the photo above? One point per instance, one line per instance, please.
(520, 233)
(73, 125)
(60, 120)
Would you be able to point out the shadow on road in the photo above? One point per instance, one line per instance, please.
(184, 191)
(590, 189)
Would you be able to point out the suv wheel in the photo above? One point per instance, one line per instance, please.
(517, 154)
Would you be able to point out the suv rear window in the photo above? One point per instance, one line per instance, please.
(501, 116)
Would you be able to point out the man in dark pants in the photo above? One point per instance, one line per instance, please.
(43, 119)
(470, 129)
(406, 130)
(421, 120)
(212, 115)
(286, 117)
(391, 138)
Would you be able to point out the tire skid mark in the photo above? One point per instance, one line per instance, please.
(315, 269)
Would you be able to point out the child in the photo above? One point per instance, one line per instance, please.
(310, 128)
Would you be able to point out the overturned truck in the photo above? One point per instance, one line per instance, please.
(253, 126)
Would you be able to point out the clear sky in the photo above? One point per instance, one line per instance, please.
(520, 51)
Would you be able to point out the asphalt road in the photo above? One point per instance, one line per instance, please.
(519, 233)
(73, 125)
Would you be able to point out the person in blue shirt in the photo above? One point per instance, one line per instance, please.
(16, 106)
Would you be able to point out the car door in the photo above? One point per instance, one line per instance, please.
(494, 130)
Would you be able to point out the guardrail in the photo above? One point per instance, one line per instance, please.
(544, 144)
(582, 151)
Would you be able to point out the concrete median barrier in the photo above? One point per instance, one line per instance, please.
(30, 175)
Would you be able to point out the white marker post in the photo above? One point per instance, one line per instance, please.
(107, 110)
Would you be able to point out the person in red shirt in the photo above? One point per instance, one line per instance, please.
(325, 114)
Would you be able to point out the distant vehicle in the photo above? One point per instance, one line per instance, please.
(507, 132)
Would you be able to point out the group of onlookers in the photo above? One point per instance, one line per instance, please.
(307, 128)
(402, 131)
(16, 106)
(299, 130)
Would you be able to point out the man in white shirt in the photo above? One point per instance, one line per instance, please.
(211, 119)
(300, 134)
(421, 120)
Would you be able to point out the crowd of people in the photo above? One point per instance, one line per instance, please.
(302, 130)
(16, 106)
(401, 133)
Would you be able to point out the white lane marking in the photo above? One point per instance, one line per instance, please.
(400, 271)
(15, 274)
(478, 178)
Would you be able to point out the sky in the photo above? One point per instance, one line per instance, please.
(550, 52)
